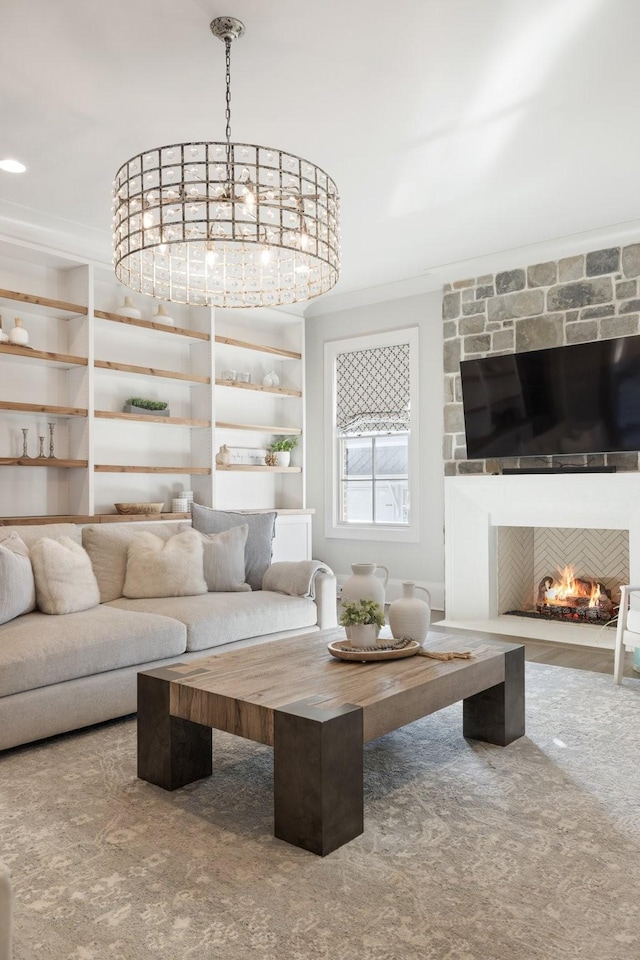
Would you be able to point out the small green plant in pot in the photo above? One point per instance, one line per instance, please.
(158, 408)
(363, 620)
(282, 447)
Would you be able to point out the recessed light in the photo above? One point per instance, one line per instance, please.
(12, 166)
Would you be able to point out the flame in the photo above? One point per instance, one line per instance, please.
(566, 588)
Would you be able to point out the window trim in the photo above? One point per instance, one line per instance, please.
(404, 533)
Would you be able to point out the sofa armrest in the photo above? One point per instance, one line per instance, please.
(326, 600)
(6, 913)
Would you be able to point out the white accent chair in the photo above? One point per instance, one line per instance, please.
(6, 913)
(628, 632)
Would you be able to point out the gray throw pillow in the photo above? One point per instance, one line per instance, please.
(17, 586)
(257, 552)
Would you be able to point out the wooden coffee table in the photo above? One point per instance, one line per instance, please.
(316, 712)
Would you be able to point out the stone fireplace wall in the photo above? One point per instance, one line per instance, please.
(593, 296)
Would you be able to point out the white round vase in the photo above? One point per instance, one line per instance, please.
(284, 457)
(409, 617)
(129, 310)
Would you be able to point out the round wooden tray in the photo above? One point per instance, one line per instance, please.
(336, 649)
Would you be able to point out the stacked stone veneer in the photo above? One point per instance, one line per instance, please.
(594, 296)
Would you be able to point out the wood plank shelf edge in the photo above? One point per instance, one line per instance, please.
(258, 468)
(92, 518)
(259, 348)
(151, 325)
(44, 302)
(43, 408)
(13, 350)
(123, 468)
(223, 425)
(141, 418)
(41, 462)
(280, 391)
(149, 371)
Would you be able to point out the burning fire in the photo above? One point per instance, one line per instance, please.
(568, 588)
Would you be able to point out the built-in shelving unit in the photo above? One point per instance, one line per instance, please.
(85, 360)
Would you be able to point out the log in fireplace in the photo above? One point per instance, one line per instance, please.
(571, 598)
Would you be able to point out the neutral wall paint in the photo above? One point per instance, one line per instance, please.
(422, 561)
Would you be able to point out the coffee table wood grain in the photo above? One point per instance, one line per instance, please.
(316, 712)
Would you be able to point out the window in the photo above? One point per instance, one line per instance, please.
(372, 436)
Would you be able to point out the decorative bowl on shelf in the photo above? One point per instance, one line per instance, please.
(139, 508)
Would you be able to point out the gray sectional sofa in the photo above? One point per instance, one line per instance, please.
(60, 673)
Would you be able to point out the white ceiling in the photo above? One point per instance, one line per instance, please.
(453, 128)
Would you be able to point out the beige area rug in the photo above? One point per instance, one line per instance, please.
(470, 851)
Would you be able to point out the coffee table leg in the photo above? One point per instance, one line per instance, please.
(171, 752)
(496, 715)
(318, 775)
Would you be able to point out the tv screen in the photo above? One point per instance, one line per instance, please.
(578, 399)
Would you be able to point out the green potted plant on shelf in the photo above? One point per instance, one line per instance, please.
(282, 447)
(363, 620)
(149, 408)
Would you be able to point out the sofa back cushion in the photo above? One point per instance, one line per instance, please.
(17, 586)
(107, 545)
(223, 555)
(30, 533)
(257, 553)
(164, 568)
(65, 582)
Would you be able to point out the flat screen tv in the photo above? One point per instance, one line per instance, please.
(580, 399)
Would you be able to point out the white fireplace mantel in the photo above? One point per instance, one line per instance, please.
(475, 506)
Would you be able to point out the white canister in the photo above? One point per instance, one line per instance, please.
(409, 617)
(179, 505)
(363, 635)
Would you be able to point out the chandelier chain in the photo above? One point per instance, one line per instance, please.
(227, 46)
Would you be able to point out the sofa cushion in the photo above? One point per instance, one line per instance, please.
(32, 532)
(17, 586)
(258, 551)
(65, 581)
(217, 618)
(37, 650)
(107, 545)
(164, 568)
(223, 559)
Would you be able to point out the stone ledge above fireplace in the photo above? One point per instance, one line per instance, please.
(477, 506)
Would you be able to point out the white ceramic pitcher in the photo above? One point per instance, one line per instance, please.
(410, 616)
(364, 585)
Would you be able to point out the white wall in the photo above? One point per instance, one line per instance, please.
(422, 561)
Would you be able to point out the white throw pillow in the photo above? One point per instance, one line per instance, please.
(223, 555)
(17, 586)
(65, 581)
(156, 568)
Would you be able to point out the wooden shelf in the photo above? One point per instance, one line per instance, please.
(279, 391)
(151, 325)
(259, 348)
(51, 411)
(141, 418)
(259, 468)
(65, 359)
(95, 518)
(74, 308)
(293, 431)
(123, 468)
(149, 371)
(41, 462)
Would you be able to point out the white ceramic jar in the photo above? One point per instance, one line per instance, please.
(409, 617)
(19, 335)
(129, 310)
(363, 635)
(364, 585)
(161, 316)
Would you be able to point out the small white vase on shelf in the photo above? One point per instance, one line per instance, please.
(3, 337)
(223, 457)
(271, 379)
(284, 458)
(409, 617)
(129, 310)
(364, 585)
(161, 316)
(19, 335)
